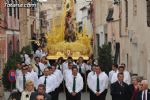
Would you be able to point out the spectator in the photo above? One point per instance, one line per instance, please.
(119, 89)
(134, 88)
(40, 91)
(144, 94)
(28, 90)
(74, 85)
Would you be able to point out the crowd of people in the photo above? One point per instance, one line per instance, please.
(37, 79)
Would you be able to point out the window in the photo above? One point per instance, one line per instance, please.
(110, 14)
(148, 13)
(134, 7)
(126, 11)
(10, 8)
(14, 9)
(17, 10)
(10, 50)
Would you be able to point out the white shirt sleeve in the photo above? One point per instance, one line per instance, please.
(89, 79)
(114, 78)
(127, 77)
(69, 83)
(79, 83)
(18, 84)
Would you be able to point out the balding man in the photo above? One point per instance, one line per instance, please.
(144, 94)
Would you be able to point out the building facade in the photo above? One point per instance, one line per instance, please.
(3, 39)
(128, 32)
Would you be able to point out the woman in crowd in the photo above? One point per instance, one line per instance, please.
(134, 88)
(28, 90)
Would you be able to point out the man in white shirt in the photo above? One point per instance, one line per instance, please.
(99, 84)
(48, 80)
(34, 76)
(21, 80)
(89, 82)
(74, 84)
(127, 77)
(65, 64)
(38, 52)
(39, 67)
(67, 73)
(145, 93)
(114, 70)
(59, 78)
(82, 70)
(18, 70)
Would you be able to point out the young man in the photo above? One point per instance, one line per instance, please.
(127, 77)
(99, 84)
(119, 89)
(89, 82)
(74, 84)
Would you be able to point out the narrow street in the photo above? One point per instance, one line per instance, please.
(84, 96)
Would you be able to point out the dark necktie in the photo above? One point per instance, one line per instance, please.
(38, 69)
(58, 66)
(144, 96)
(45, 80)
(24, 81)
(80, 71)
(97, 87)
(74, 84)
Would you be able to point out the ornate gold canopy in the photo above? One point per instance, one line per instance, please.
(58, 45)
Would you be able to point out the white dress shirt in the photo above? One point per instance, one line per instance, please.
(127, 78)
(89, 78)
(79, 83)
(18, 73)
(67, 73)
(65, 65)
(106, 80)
(88, 67)
(145, 94)
(83, 68)
(42, 67)
(59, 76)
(38, 53)
(111, 74)
(51, 82)
(19, 81)
(34, 78)
(103, 82)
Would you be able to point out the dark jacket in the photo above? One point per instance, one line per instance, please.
(139, 96)
(131, 91)
(34, 94)
(119, 92)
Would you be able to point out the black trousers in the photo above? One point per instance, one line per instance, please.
(102, 96)
(76, 97)
(67, 94)
(84, 82)
(53, 95)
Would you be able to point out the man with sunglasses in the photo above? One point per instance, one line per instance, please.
(21, 80)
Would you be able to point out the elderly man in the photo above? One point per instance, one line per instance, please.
(144, 94)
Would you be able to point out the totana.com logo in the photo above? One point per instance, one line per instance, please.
(27, 4)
